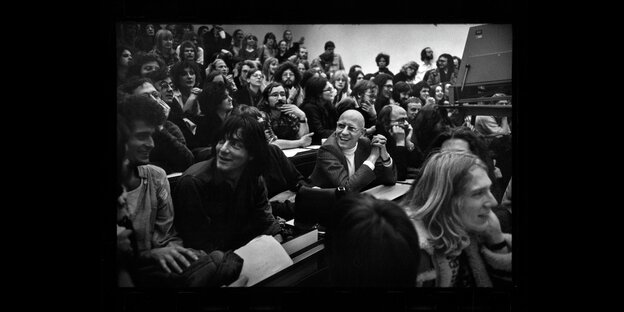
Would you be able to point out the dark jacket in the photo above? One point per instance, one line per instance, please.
(321, 120)
(210, 215)
(170, 151)
(331, 168)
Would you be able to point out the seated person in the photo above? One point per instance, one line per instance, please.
(216, 104)
(371, 243)
(362, 99)
(287, 121)
(318, 107)
(170, 151)
(392, 124)
(164, 85)
(493, 126)
(281, 177)
(221, 203)
(157, 256)
(460, 236)
(350, 160)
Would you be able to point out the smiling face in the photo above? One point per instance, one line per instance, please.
(439, 93)
(140, 143)
(232, 155)
(283, 46)
(476, 201)
(349, 129)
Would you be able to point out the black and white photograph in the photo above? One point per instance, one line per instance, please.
(268, 157)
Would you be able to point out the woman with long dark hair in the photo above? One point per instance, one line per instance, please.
(318, 107)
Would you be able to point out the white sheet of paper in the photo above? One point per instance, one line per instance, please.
(388, 192)
(313, 147)
(294, 151)
(263, 256)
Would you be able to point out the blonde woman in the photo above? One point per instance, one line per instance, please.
(451, 208)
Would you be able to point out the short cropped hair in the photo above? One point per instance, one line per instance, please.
(371, 242)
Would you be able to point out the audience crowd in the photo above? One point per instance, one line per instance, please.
(220, 109)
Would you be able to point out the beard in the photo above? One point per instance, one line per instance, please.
(288, 83)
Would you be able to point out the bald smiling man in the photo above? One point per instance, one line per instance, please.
(350, 159)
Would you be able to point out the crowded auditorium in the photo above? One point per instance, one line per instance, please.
(314, 155)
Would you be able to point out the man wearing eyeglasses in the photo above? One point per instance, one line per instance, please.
(393, 123)
(170, 151)
(351, 160)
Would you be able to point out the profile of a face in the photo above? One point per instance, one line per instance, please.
(475, 202)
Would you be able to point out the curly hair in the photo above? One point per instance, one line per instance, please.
(382, 55)
(285, 66)
(436, 198)
(178, 70)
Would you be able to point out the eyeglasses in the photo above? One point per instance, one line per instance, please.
(278, 94)
(165, 85)
(341, 126)
(288, 74)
